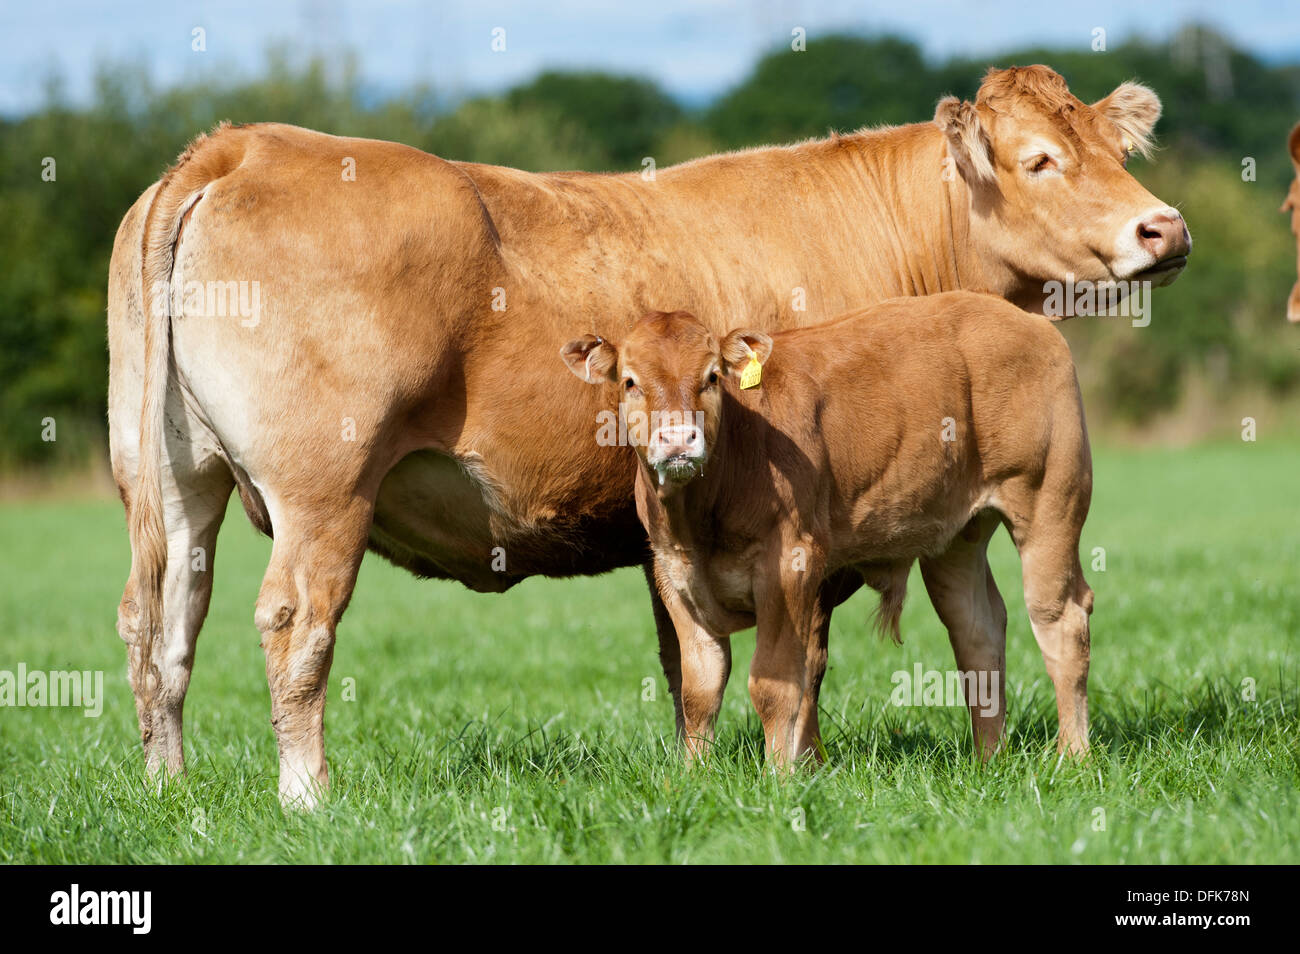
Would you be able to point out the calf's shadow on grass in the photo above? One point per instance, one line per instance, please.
(1159, 716)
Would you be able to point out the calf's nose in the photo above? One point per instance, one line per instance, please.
(1164, 235)
(678, 440)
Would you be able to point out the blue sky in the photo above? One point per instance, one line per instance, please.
(695, 48)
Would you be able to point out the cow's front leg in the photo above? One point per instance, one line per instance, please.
(670, 656)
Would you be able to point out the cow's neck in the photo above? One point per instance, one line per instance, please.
(915, 210)
(865, 217)
(851, 220)
(779, 237)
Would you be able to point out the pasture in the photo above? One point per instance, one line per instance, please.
(517, 728)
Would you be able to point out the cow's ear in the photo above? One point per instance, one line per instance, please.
(968, 140)
(1134, 109)
(742, 346)
(591, 358)
(1293, 146)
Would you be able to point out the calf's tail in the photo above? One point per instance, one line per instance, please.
(893, 590)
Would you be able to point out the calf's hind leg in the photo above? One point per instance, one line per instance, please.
(1059, 601)
(314, 563)
(961, 587)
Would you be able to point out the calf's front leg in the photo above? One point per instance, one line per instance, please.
(704, 665)
(786, 674)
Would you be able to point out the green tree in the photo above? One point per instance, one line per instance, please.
(838, 82)
(625, 116)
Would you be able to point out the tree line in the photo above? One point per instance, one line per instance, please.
(1222, 161)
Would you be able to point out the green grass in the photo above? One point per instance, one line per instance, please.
(526, 710)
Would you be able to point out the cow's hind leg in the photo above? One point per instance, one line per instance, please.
(961, 587)
(314, 562)
(194, 500)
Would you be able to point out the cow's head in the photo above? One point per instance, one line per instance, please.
(1292, 205)
(669, 374)
(1049, 191)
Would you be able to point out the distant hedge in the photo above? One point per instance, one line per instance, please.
(1223, 319)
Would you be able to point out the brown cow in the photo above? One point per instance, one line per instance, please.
(906, 431)
(1292, 205)
(349, 331)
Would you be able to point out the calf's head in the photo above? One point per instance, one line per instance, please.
(668, 374)
(1049, 192)
(1292, 205)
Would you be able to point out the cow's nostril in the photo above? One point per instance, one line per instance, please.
(1160, 234)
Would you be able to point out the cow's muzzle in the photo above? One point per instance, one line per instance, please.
(1165, 237)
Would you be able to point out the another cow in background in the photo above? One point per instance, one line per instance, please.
(1292, 205)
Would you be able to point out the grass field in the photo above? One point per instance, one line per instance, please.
(514, 729)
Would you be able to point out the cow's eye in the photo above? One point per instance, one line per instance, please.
(629, 385)
(712, 380)
(1040, 164)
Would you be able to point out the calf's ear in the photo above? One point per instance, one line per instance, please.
(1134, 109)
(1293, 146)
(591, 358)
(740, 346)
(968, 140)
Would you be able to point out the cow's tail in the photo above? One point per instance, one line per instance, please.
(890, 611)
(177, 194)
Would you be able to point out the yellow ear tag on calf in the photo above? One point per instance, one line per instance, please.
(752, 376)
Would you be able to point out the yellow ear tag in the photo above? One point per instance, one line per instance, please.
(752, 376)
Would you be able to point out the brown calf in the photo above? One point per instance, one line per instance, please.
(906, 431)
